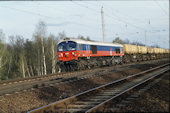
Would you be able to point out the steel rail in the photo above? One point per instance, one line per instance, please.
(101, 104)
(23, 87)
(73, 98)
(48, 83)
(20, 80)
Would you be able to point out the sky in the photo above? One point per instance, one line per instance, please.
(142, 21)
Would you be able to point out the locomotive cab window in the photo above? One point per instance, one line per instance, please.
(71, 46)
(62, 46)
(117, 50)
(94, 49)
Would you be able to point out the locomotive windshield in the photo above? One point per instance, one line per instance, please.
(71, 46)
(67, 46)
(62, 46)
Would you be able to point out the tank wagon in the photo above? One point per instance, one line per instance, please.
(134, 53)
(77, 54)
(80, 54)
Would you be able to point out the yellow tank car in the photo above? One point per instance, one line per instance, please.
(130, 49)
(164, 51)
(142, 49)
(156, 50)
(167, 50)
(150, 50)
(160, 50)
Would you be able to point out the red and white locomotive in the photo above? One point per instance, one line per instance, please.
(80, 54)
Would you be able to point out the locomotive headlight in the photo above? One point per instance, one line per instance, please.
(75, 54)
(60, 55)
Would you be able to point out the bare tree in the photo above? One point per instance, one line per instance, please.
(117, 40)
(40, 33)
(2, 49)
(22, 64)
(52, 53)
(126, 41)
(61, 35)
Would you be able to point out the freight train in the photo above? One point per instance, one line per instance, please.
(77, 54)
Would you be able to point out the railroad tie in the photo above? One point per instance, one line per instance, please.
(130, 98)
(86, 103)
(76, 106)
(125, 102)
(120, 105)
(114, 109)
(70, 110)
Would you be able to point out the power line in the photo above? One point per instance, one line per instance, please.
(161, 8)
(149, 23)
(89, 9)
(124, 15)
(85, 7)
(107, 8)
(56, 18)
(125, 22)
(165, 4)
(24, 11)
(115, 18)
(38, 14)
(121, 20)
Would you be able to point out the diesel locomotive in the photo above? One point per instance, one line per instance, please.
(77, 54)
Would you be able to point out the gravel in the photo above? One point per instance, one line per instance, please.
(25, 101)
(156, 99)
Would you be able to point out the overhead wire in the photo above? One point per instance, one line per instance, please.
(147, 23)
(123, 33)
(126, 16)
(161, 8)
(97, 13)
(120, 20)
(144, 29)
(165, 4)
(25, 11)
(38, 14)
(94, 10)
(117, 11)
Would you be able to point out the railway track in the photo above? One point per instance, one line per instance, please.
(94, 99)
(50, 76)
(122, 103)
(49, 81)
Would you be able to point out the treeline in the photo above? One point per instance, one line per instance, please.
(22, 57)
(26, 58)
(126, 41)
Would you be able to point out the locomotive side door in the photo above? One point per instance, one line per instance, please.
(88, 51)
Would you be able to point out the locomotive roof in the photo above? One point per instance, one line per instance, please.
(80, 41)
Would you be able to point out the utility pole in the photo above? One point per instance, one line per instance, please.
(103, 29)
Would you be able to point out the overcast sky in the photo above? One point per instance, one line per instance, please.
(124, 19)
